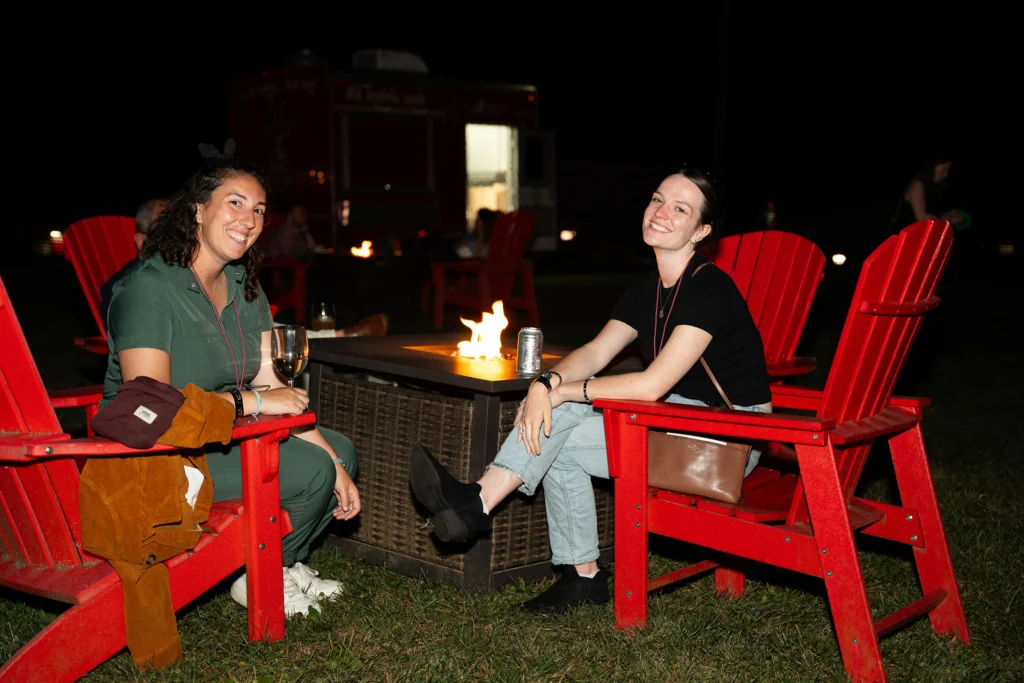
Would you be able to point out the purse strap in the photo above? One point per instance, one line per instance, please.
(715, 382)
(707, 367)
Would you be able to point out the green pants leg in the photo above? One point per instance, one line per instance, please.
(307, 477)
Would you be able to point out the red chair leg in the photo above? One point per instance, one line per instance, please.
(262, 520)
(847, 597)
(934, 566)
(729, 582)
(86, 635)
(631, 501)
(73, 644)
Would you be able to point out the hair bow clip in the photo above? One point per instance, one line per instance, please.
(208, 151)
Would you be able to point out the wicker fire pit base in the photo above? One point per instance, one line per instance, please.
(463, 430)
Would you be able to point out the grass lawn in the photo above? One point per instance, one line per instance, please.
(389, 627)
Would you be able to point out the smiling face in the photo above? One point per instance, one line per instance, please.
(672, 220)
(233, 218)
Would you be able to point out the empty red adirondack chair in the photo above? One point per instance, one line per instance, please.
(288, 293)
(493, 278)
(778, 274)
(40, 530)
(805, 522)
(97, 248)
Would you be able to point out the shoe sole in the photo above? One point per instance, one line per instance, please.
(426, 481)
(603, 597)
(449, 527)
(564, 608)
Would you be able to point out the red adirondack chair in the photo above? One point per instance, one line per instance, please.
(493, 278)
(778, 274)
(805, 522)
(285, 278)
(40, 530)
(97, 248)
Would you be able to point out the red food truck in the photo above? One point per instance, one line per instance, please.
(386, 151)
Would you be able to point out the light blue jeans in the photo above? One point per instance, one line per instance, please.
(574, 453)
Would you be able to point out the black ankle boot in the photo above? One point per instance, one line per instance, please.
(434, 487)
(571, 589)
(462, 524)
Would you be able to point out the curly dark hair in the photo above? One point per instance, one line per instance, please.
(175, 233)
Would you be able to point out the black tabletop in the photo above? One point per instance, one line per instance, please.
(425, 357)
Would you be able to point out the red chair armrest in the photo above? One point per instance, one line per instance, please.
(794, 366)
(802, 398)
(97, 345)
(663, 411)
(77, 398)
(245, 428)
(739, 424)
(889, 421)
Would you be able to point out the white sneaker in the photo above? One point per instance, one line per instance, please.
(238, 593)
(295, 600)
(310, 584)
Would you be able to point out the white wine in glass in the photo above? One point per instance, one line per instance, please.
(289, 350)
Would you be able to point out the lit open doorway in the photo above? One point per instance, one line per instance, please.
(492, 169)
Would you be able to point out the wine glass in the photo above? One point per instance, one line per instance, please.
(289, 350)
(323, 316)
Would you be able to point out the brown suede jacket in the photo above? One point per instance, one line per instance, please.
(133, 508)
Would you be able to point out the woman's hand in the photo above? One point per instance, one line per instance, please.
(534, 413)
(284, 401)
(347, 493)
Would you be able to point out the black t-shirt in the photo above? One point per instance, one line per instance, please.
(709, 301)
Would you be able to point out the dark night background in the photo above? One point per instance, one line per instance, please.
(822, 110)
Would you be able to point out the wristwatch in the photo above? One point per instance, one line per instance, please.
(545, 379)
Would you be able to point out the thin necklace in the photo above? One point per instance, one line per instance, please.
(661, 311)
(661, 308)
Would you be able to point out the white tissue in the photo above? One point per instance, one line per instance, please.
(195, 482)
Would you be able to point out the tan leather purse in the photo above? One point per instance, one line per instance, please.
(697, 465)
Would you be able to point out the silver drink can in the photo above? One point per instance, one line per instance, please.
(528, 354)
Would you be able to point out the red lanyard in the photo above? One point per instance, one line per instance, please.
(657, 303)
(239, 376)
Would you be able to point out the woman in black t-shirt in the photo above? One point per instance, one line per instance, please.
(683, 311)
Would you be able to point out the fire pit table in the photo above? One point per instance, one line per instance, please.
(389, 393)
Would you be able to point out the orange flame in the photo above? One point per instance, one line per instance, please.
(365, 251)
(485, 342)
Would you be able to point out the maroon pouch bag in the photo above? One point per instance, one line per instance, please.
(140, 413)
